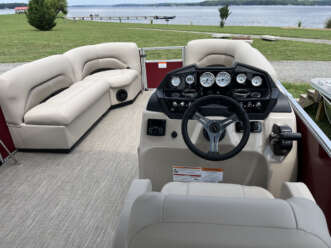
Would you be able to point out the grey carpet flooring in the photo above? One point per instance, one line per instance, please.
(72, 200)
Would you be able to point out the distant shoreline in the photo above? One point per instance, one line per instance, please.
(223, 2)
(184, 5)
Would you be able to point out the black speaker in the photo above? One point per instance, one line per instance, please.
(121, 95)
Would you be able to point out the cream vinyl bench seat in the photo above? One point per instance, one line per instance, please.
(65, 107)
(52, 102)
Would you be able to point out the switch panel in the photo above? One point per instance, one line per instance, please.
(256, 127)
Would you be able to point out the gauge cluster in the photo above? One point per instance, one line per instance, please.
(221, 79)
(251, 87)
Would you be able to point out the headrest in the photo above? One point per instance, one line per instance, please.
(209, 52)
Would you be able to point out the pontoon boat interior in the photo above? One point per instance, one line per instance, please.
(218, 155)
(218, 159)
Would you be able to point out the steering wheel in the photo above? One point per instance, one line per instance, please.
(216, 128)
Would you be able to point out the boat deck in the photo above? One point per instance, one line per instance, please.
(72, 200)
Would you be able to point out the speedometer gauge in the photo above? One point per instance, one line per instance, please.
(175, 81)
(223, 79)
(257, 81)
(207, 79)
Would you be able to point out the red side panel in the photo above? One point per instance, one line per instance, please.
(315, 169)
(5, 136)
(156, 71)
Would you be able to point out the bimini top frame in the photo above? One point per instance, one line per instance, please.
(320, 136)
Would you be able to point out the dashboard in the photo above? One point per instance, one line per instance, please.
(251, 87)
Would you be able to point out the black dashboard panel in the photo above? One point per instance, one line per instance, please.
(257, 94)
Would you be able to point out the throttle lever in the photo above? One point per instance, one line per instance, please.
(281, 139)
(290, 136)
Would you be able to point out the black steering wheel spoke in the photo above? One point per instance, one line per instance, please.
(216, 128)
(229, 120)
(214, 142)
(202, 119)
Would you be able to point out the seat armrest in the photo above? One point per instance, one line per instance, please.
(137, 188)
(299, 190)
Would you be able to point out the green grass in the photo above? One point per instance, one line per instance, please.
(250, 30)
(297, 89)
(20, 42)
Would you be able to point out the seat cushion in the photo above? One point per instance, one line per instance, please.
(116, 78)
(163, 221)
(66, 106)
(216, 189)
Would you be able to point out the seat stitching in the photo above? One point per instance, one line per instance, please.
(281, 228)
(294, 215)
(298, 228)
(188, 189)
(163, 208)
(219, 224)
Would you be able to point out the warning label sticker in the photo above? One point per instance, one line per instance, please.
(197, 174)
(162, 65)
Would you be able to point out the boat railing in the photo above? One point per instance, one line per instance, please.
(320, 136)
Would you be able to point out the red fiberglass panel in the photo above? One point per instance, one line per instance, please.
(156, 71)
(315, 169)
(5, 136)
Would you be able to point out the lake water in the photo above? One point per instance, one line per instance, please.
(310, 16)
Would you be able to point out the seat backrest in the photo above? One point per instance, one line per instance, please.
(220, 52)
(160, 220)
(26, 86)
(87, 60)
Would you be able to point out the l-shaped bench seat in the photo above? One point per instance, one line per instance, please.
(50, 103)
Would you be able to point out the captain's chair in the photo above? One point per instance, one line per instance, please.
(201, 215)
(220, 52)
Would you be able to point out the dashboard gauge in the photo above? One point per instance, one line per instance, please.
(257, 81)
(241, 78)
(207, 79)
(190, 79)
(175, 81)
(223, 79)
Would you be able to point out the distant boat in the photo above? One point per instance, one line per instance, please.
(21, 10)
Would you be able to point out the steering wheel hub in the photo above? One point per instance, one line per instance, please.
(215, 127)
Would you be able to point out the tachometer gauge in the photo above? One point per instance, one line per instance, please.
(223, 79)
(207, 79)
(241, 78)
(257, 81)
(175, 81)
(189, 79)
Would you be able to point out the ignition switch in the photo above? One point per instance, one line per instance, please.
(281, 139)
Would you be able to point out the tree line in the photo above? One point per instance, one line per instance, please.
(264, 2)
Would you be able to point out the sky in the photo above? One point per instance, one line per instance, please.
(107, 2)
